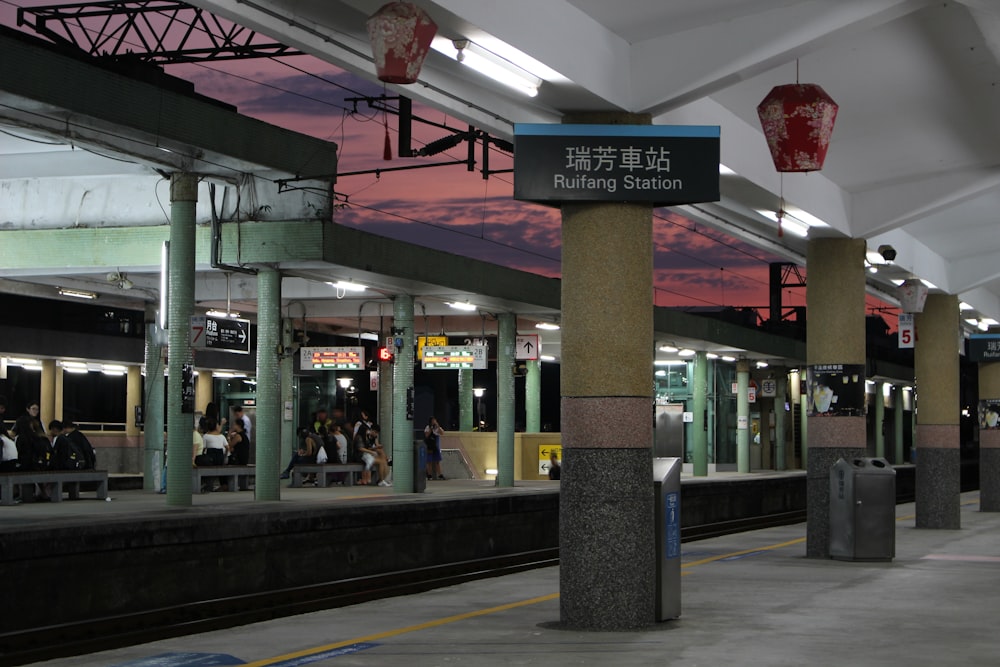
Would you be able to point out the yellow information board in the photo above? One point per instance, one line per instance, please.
(544, 452)
(433, 341)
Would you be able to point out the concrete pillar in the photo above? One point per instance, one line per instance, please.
(989, 437)
(533, 397)
(835, 343)
(180, 418)
(879, 417)
(204, 390)
(742, 416)
(466, 401)
(897, 414)
(507, 332)
(606, 537)
(152, 467)
(58, 377)
(267, 434)
(152, 415)
(780, 437)
(47, 391)
(699, 405)
(403, 480)
(286, 369)
(938, 439)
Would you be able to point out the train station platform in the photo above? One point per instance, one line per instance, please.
(747, 599)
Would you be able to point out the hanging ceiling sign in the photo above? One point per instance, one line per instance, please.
(445, 357)
(984, 347)
(220, 333)
(661, 164)
(332, 358)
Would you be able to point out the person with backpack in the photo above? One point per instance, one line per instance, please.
(66, 454)
(82, 442)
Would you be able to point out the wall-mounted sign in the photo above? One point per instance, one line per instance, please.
(454, 356)
(661, 164)
(527, 347)
(220, 333)
(836, 390)
(424, 341)
(332, 358)
(768, 387)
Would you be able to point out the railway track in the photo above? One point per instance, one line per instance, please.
(110, 632)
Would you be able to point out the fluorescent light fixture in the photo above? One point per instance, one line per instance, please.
(22, 361)
(972, 320)
(990, 321)
(76, 293)
(227, 374)
(711, 355)
(344, 382)
(164, 284)
(491, 471)
(223, 313)
(965, 306)
(686, 352)
(486, 62)
(897, 281)
(660, 373)
(75, 369)
(983, 326)
(547, 326)
(114, 367)
(546, 357)
(458, 305)
(669, 349)
(107, 372)
(669, 362)
(348, 286)
(928, 284)
(73, 364)
(728, 358)
(761, 364)
(792, 223)
(369, 335)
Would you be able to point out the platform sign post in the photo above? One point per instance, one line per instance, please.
(226, 334)
(452, 357)
(332, 358)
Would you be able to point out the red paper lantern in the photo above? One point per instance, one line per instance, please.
(798, 121)
(401, 34)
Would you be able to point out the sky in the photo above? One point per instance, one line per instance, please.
(448, 207)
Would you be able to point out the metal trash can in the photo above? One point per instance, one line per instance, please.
(419, 466)
(667, 486)
(862, 510)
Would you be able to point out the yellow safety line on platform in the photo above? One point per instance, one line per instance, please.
(400, 631)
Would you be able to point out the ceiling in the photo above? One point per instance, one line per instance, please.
(914, 161)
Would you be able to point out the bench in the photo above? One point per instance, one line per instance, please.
(233, 477)
(64, 480)
(323, 472)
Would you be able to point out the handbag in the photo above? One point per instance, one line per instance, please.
(321, 456)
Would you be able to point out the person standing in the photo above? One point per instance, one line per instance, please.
(432, 440)
(555, 470)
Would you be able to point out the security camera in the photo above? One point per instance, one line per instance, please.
(888, 252)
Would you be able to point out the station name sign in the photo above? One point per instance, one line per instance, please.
(332, 358)
(660, 164)
(984, 347)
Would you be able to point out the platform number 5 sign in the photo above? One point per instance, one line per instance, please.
(907, 331)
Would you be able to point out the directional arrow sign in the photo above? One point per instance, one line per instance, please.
(526, 347)
(220, 333)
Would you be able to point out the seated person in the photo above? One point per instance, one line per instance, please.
(238, 444)
(305, 453)
(374, 456)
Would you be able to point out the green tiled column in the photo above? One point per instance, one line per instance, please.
(152, 417)
(180, 424)
(699, 404)
(505, 399)
(466, 406)
(742, 416)
(269, 409)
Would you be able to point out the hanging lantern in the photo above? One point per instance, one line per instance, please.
(912, 295)
(798, 121)
(401, 34)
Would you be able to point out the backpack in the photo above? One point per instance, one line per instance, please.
(89, 453)
(34, 452)
(68, 455)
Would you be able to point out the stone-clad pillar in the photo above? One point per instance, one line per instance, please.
(989, 436)
(897, 424)
(835, 353)
(780, 452)
(938, 438)
(533, 397)
(506, 335)
(152, 418)
(466, 405)
(879, 405)
(606, 542)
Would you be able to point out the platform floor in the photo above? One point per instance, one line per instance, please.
(747, 599)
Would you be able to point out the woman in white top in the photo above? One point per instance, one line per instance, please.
(215, 442)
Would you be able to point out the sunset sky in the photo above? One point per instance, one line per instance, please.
(450, 208)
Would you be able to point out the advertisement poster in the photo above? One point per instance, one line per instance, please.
(836, 390)
(989, 413)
